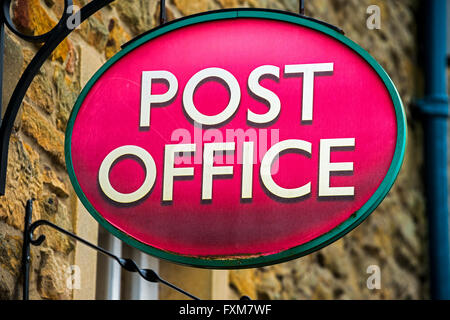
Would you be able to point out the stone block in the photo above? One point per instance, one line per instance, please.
(43, 132)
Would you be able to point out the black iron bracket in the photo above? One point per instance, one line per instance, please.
(50, 41)
(29, 240)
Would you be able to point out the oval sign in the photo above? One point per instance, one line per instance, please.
(235, 139)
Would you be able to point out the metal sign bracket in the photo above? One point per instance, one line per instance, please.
(29, 240)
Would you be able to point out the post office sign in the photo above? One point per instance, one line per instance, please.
(236, 139)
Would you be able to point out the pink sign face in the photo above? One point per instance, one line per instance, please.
(235, 139)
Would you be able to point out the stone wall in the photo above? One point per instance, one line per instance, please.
(393, 238)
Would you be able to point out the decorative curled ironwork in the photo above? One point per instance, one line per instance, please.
(33, 38)
(127, 264)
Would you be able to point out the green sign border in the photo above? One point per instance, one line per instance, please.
(295, 252)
